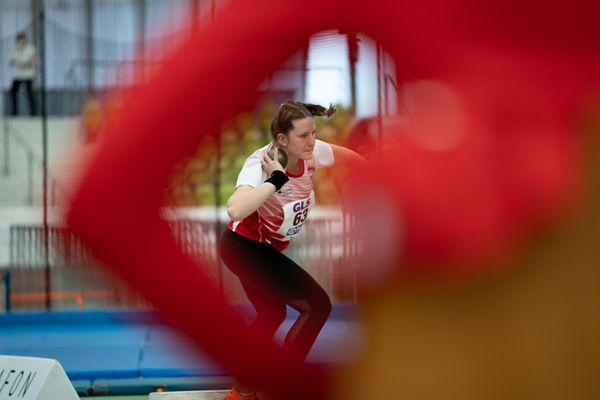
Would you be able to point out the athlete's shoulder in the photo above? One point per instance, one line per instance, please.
(323, 154)
(252, 173)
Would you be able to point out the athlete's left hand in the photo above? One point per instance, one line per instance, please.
(270, 165)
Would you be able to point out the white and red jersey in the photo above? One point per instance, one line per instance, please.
(281, 217)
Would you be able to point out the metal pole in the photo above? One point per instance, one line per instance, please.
(12, 256)
(6, 166)
(386, 81)
(53, 192)
(217, 188)
(3, 108)
(44, 114)
(304, 71)
(352, 39)
(29, 177)
(142, 38)
(379, 100)
(7, 305)
(89, 48)
(35, 26)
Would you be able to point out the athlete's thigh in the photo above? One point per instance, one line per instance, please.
(285, 280)
(255, 264)
(263, 304)
(266, 269)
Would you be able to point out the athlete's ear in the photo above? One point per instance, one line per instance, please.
(282, 140)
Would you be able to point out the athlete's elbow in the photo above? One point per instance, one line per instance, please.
(234, 213)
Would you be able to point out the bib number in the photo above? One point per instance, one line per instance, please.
(300, 217)
(295, 214)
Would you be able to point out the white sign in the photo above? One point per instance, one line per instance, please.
(28, 378)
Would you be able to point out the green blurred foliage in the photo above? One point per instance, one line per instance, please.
(194, 180)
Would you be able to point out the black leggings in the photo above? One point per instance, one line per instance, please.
(271, 281)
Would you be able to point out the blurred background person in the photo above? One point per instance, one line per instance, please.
(23, 60)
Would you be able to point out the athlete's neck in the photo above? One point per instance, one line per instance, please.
(294, 165)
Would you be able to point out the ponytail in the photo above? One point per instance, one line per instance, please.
(320, 111)
(289, 111)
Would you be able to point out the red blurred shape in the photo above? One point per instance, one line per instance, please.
(518, 158)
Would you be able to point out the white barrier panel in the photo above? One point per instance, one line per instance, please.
(193, 395)
(28, 378)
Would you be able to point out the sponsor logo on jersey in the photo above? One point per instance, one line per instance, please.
(293, 231)
(301, 205)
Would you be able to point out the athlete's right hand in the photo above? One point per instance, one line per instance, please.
(270, 165)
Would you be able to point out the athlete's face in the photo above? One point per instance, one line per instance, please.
(300, 141)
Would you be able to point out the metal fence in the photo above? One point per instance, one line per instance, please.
(67, 277)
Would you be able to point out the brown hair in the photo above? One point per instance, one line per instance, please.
(289, 111)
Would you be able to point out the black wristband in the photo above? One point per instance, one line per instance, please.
(278, 179)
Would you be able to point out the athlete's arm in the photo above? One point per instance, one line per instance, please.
(246, 199)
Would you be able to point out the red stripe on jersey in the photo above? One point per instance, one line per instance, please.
(250, 228)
